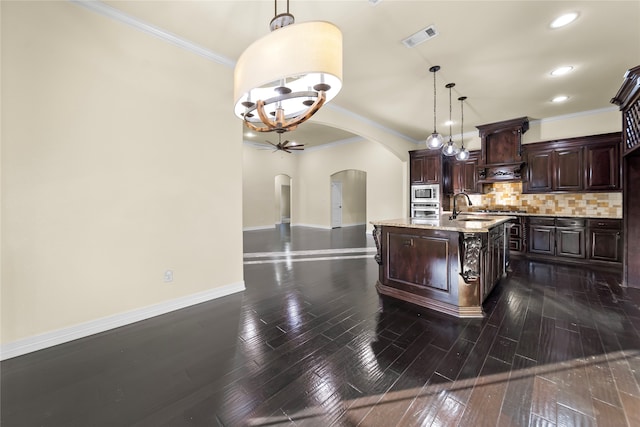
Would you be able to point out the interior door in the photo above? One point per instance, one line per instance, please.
(336, 204)
(285, 204)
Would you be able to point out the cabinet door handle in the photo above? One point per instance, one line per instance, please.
(407, 243)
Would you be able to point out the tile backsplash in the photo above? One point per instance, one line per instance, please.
(509, 195)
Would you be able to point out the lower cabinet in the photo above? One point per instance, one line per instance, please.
(605, 240)
(558, 237)
(542, 236)
(595, 241)
(570, 238)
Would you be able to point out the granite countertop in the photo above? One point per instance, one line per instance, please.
(464, 223)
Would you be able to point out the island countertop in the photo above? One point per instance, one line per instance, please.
(463, 223)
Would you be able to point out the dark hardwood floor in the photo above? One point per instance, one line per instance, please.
(310, 343)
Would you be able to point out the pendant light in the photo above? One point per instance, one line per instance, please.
(285, 77)
(435, 140)
(463, 154)
(450, 148)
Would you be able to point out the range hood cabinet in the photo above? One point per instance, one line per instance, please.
(501, 153)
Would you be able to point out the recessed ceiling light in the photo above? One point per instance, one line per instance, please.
(249, 134)
(560, 98)
(561, 71)
(448, 123)
(563, 20)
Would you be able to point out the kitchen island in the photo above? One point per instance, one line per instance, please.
(448, 265)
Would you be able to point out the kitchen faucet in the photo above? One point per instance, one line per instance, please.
(455, 213)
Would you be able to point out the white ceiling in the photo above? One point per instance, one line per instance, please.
(499, 54)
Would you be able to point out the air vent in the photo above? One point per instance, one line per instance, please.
(421, 36)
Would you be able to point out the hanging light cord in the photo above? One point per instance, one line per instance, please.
(462, 122)
(434, 102)
(450, 122)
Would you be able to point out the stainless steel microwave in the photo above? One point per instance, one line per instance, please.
(425, 193)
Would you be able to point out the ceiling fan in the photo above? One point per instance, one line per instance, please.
(287, 145)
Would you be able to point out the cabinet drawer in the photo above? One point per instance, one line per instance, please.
(614, 224)
(542, 221)
(570, 222)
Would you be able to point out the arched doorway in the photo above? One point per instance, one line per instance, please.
(348, 198)
(282, 199)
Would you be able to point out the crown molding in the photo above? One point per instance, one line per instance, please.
(118, 15)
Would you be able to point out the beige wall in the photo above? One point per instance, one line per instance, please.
(588, 123)
(354, 196)
(592, 123)
(260, 169)
(386, 181)
(121, 159)
(311, 172)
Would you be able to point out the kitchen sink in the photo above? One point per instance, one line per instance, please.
(473, 219)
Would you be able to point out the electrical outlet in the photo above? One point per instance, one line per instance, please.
(168, 276)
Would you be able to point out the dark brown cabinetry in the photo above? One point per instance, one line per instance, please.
(448, 271)
(605, 240)
(570, 238)
(425, 166)
(628, 99)
(405, 253)
(557, 237)
(602, 166)
(584, 164)
(539, 171)
(501, 157)
(517, 235)
(542, 236)
(495, 260)
(554, 170)
(568, 169)
(462, 175)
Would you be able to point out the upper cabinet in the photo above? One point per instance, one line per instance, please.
(568, 169)
(425, 167)
(602, 164)
(628, 99)
(539, 177)
(462, 175)
(584, 164)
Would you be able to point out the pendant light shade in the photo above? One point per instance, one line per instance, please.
(285, 77)
(450, 148)
(435, 140)
(463, 154)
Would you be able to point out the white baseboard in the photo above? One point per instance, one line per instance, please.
(324, 227)
(60, 336)
(260, 227)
